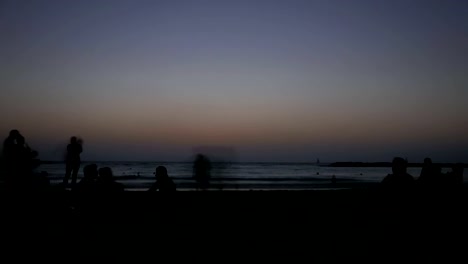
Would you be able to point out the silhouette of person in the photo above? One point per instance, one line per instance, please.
(20, 160)
(426, 169)
(400, 179)
(163, 182)
(106, 181)
(89, 181)
(10, 143)
(430, 174)
(202, 171)
(72, 161)
(12, 149)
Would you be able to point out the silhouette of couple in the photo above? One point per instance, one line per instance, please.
(19, 157)
(20, 161)
(101, 180)
(431, 177)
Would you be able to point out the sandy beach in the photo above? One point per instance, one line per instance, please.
(330, 224)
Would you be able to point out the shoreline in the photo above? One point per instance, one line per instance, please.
(247, 184)
(386, 165)
(337, 164)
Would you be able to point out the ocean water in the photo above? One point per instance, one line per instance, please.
(238, 176)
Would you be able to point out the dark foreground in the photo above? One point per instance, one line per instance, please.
(311, 225)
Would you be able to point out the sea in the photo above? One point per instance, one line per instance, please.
(139, 176)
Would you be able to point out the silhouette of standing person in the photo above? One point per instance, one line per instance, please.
(163, 182)
(202, 171)
(73, 160)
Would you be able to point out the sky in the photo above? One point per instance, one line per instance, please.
(249, 80)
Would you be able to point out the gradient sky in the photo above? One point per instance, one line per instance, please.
(267, 80)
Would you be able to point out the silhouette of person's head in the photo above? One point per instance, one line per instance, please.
(201, 158)
(161, 173)
(10, 143)
(73, 140)
(15, 138)
(399, 165)
(105, 174)
(14, 134)
(90, 171)
(163, 182)
(106, 181)
(400, 180)
(427, 161)
(202, 161)
(202, 164)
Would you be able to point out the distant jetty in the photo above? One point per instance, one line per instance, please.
(385, 164)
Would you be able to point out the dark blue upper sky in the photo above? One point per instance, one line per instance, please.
(273, 80)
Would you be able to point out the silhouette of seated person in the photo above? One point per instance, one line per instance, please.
(89, 181)
(400, 180)
(426, 170)
(202, 171)
(430, 175)
(163, 182)
(72, 161)
(106, 181)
